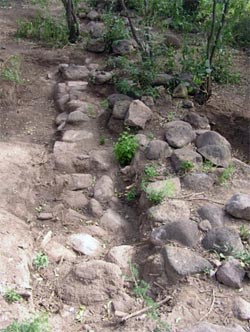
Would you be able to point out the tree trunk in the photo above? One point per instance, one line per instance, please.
(71, 20)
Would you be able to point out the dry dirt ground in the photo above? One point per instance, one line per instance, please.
(27, 136)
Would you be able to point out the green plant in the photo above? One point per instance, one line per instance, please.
(150, 172)
(12, 296)
(207, 166)
(244, 257)
(37, 324)
(104, 104)
(125, 148)
(46, 29)
(40, 261)
(186, 166)
(156, 196)
(10, 69)
(244, 233)
(227, 174)
(102, 140)
(131, 194)
(241, 32)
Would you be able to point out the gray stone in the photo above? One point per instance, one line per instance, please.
(93, 15)
(183, 231)
(81, 181)
(241, 309)
(180, 156)
(208, 327)
(113, 221)
(77, 117)
(231, 273)
(45, 216)
(172, 40)
(142, 140)
(61, 102)
(62, 117)
(162, 79)
(91, 282)
(104, 189)
(157, 149)
(101, 77)
(219, 155)
(57, 252)
(197, 121)
(180, 91)
(95, 208)
(96, 45)
(112, 99)
(205, 225)
(122, 47)
(72, 136)
(213, 213)
(179, 133)
(78, 105)
(186, 103)
(64, 154)
(211, 138)
(223, 240)
(73, 72)
(198, 182)
(73, 217)
(122, 256)
(138, 114)
(85, 244)
(75, 199)
(101, 160)
(96, 29)
(181, 262)
(148, 101)
(169, 211)
(120, 109)
(238, 206)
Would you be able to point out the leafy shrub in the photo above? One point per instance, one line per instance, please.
(115, 29)
(10, 69)
(241, 32)
(46, 29)
(12, 296)
(38, 324)
(125, 148)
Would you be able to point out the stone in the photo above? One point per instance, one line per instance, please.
(77, 105)
(223, 240)
(142, 140)
(219, 155)
(120, 109)
(62, 117)
(180, 156)
(57, 252)
(213, 213)
(183, 231)
(205, 225)
(93, 15)
(231, 273)
(148, 101)
(157, 149)
(101, 77)
(64, 154)
(45, 216)
(81, 181)
(75, 199)
(169, 211)
(101, 160)
(162, 79)
(198, 182)
(122, 47)
(138, 114)
(238, 206)
(96, 29)
(112, 99)
(77, 117)
(180, 91)
(168, 188)
(85, 244)
(208, 327)
(95, 208)
(113, 222)
(172, 40)
(91, 282)
(197, 121)
(211, 138)
(179, 133)
(72, 136)
(241, 309)
(181, 262)
(104, 189)
(122, 256)
(96, 45)
(73, 217)
(186, 103)
(73, 72)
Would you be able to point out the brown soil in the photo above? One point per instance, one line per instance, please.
(27, 115)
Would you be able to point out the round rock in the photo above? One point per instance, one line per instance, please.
(238, 206)
(179, 134)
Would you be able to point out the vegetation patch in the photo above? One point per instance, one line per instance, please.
(125, 148)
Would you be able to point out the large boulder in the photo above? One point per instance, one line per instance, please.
(231, 273)
(179, 133)
(238, 206)
(186, 154)
(73, 72)
(198, 182)
(213, 213)
(104, 189)
(85, 244)
(138, 114)
(157, 149)
(197, 121)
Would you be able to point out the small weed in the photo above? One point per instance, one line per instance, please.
(150, 172)
(207, 166)
(12, 296)
(90, 111)
(227, 174)
(244, 257)
(10, 69)
(125, 148)
(104, 104)
(186, 166)
(38, 324)
(131, 194)
(156, 197)
(244, 233)
(102, 140)
(150, 136)
(170, 116)
(40, 261)
(79, 316)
